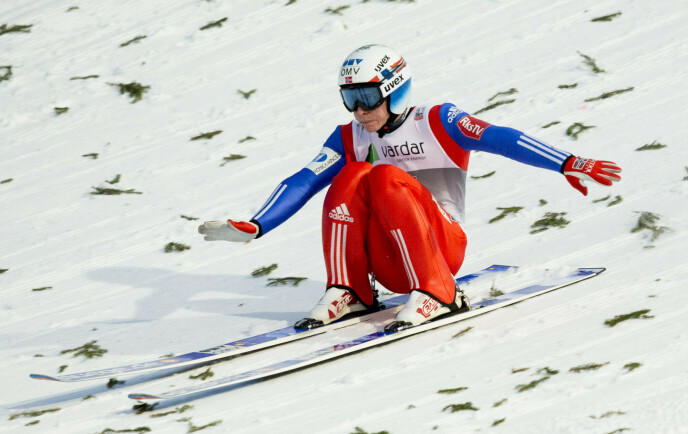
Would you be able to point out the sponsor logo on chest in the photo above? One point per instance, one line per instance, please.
(471, 127)
(405, 150)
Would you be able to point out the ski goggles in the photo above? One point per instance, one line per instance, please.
(367, 97)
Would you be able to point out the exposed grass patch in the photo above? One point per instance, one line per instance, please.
(602, 199)
(176, 247)
(189, 218)
(61, 110)
(338, 10)
(35, 413)
(648, 221)
(7, 74)
(606, 17)
(194, 428)
(2, 270)
(203, 375)
(248, 94)
(494, 105)
(498, 421)
(115, 180)
(487, 175)
(453, 408)
(17, 28)
(143, 407)
(212, 24)
(112, 191)
(638, 314)
(504, 93)
(494, 292)
(588, 367)
(73, 8)
(462, 332)
(505, 212)
(134, 90)
(651, 146)
(550, 220)
(6, 181)
(179, 410)
(517, 370)
(609, 94)
(608, 414)
(452, 391)
(283, 281)
(264, 271)
(568, 86)
(617, 200)
(246, 139)
(547, 371)
(87, 397)
(620, 430)
(132, 41)
(42, 288)
(85, 77)
(500, 403)
(92, 155)
(208, 136)
(232, 157)
(32, 422)
(542, 202)
(533, 384)
(139, 430)
(551, 124)
(590, 62)
(290, 2)
(61, 369)
(633, 365)
(90, 350)
(576, 129)
(359, 430)
(112, 382)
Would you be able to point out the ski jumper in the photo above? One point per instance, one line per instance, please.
(396, 203)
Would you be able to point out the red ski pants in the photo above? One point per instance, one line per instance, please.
(382, 220)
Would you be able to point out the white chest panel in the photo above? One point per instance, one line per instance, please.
(414, 148)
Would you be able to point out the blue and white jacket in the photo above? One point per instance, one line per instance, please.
(433, 144)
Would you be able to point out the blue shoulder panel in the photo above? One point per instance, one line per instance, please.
(293, 193)
(473, 134)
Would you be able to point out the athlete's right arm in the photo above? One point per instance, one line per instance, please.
(289, 196)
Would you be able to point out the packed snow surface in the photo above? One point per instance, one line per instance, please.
(77, 267)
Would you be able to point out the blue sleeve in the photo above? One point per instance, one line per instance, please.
(293, 193)
(473, 134)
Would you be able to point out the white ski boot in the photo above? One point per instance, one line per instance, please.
(421, 307)
(333, 305)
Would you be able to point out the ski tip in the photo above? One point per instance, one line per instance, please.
(43, 377)
(596, 270)
(497, 267)
(142, 396)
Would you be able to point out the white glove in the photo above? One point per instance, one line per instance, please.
(228, 231)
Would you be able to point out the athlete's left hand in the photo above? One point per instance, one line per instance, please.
(577, 170)
(228, 231)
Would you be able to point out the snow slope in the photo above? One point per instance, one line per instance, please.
(110, 280)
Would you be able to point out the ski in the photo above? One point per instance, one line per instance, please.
(250, 344)
(379, 337)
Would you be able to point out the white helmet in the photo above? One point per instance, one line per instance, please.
(373, 73)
